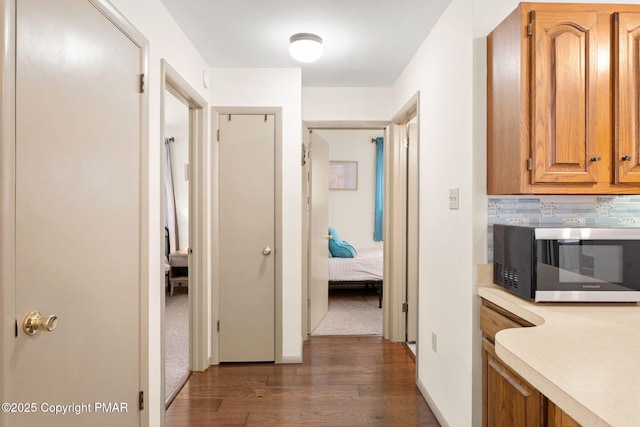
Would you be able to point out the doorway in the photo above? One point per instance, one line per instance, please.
(354, 284)
(402, 204)
(183, 118)
(176, 156)
(412, 197)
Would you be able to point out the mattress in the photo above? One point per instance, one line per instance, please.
(179, 258)
(366, 266)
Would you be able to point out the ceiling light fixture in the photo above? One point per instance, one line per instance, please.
(305, 47)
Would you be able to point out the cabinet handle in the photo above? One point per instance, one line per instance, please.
(626, 158)
(596, 159)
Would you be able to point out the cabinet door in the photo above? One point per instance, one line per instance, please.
(508, 400)
(556, 417)
(626, 65)
(564, 56)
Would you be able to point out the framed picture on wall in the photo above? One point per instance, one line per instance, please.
(343, 175)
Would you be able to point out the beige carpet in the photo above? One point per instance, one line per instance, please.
(353, 310)
(176, 339)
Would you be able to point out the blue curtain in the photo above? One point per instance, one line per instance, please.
(379, 196)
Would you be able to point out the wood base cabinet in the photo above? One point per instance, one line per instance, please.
(563, 100)
(508, 399)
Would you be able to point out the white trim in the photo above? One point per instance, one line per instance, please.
(199, 270)
(349, 125)
(199, 229)
(394, 233)
(395, 225)
(291, 359)
(214, 221)
(432, 404)
(304, 303)
(7, 202)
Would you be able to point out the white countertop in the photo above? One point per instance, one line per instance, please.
(585, 357)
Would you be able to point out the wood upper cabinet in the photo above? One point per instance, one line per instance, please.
(626, 33)
(552, 127)
(564, 130)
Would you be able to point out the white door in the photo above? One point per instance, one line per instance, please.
(78, 215)
(318, 283)
(247, 238)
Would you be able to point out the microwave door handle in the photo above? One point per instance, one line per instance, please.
(549, 255)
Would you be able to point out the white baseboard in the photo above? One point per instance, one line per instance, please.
(432, 404)
(291, 359)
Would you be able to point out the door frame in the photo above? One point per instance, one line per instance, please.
(172, 81)
(389, 310)
(306, 212)
(216, 112)
(395, 227)
(8, 197)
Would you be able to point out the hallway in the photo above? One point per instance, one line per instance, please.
(343, 381)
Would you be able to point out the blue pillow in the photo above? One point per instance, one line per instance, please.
(334, 234)
(343, 250)
(340, 248)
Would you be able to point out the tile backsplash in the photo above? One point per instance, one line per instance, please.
(576, 211)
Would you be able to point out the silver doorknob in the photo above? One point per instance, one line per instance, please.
(266, 251)
(35, 322)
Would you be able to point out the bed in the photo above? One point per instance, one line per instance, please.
(365, 268)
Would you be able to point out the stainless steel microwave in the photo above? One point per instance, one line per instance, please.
(568, 264)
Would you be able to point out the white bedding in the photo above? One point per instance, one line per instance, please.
(366, 266)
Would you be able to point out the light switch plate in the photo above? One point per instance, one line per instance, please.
(454, 198)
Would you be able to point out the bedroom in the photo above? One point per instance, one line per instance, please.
(350, 213)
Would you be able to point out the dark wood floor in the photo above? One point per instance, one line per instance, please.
(343, 381)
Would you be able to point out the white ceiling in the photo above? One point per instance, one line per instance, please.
(367, 43)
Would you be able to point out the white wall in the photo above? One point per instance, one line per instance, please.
(346, 104)
(351, 211)
(277, 88)
(166, 40)
(442, 71)
(177, 127)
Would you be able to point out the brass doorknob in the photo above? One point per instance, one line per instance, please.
(35, 322)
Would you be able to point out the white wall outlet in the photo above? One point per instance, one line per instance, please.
(434, 342)
(454, 198)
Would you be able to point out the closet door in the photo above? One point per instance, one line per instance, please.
(80, 216)
(247, 238)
